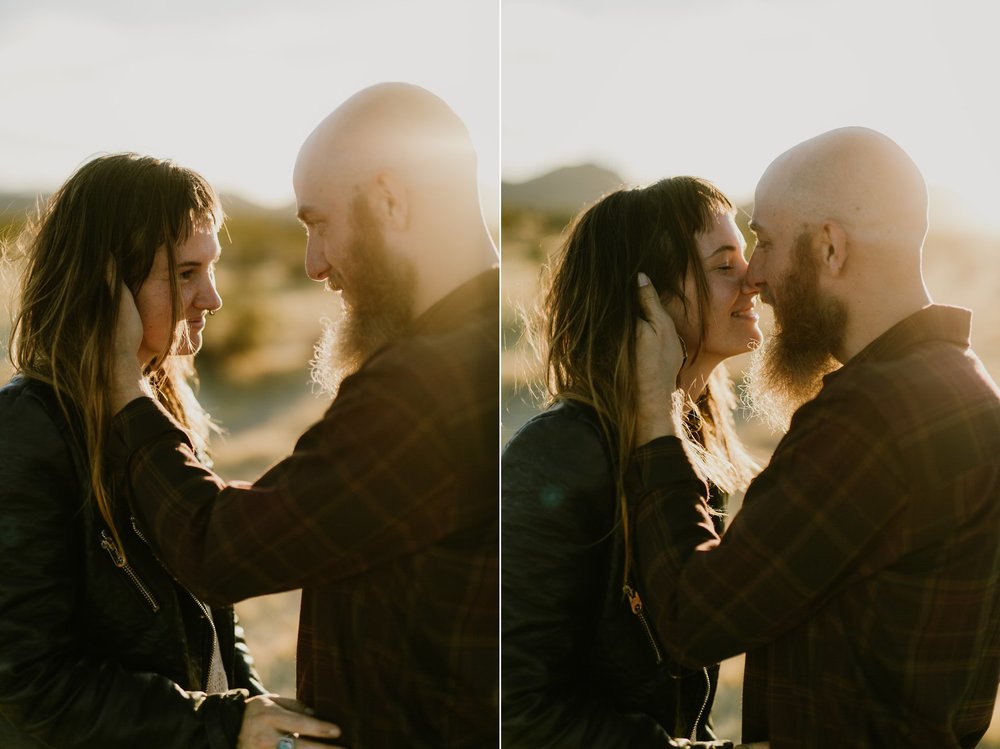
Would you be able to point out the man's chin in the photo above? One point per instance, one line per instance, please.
(783, 377)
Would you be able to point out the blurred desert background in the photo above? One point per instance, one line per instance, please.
(959, 264)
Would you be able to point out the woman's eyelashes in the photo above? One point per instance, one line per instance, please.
(190, 273)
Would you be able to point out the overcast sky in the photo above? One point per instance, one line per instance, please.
(227, 87)
(718, 88)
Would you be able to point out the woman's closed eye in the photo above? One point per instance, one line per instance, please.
(189, 272)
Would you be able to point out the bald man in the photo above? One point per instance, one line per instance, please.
(386, 512)
(861, 575)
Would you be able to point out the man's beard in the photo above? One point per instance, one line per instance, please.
(382, 290)
(787, 370)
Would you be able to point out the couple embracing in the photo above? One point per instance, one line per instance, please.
(860, 575)
(122, 552)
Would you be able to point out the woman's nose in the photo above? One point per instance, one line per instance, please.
(208, 297)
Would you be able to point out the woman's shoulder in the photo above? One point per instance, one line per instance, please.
(563, 424)
(31, 416)
(27, 398)
(562, 445)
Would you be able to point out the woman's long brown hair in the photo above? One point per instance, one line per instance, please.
(96, 236)
(589, 312)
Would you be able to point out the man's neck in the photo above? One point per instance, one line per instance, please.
(868, 322)
(455, 265)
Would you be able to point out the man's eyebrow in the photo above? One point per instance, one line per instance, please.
(304, 212)
(753, 226)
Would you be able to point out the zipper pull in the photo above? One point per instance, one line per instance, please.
(634, 601)
(108, 544)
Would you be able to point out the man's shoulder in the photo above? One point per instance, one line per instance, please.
(462, 356)
(933, 399)
(931, 372)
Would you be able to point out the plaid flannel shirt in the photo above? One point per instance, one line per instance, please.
(863, 572)
(385, 515)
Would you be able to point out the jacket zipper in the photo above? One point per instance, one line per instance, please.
(704, 704)
(108, 544)
(212, 659)
(635, 603)
(135, 529)
(201, 607)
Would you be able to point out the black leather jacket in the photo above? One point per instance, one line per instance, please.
(93, 654)
(579, 667)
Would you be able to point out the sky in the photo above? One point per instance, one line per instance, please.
(718, 88)
(648, 88)
(229, 88)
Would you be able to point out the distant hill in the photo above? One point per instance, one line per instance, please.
(565, 190)
(234, 204)
(14, 206)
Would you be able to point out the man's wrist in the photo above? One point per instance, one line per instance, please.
(128, 387)
(661, 420)
(648, 430)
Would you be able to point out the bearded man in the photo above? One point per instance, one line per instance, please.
(386, 512)
(861, 574)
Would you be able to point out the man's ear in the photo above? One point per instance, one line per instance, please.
(830, 242)
(389, 202)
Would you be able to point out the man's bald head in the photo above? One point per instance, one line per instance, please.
(395, 127)
(840, 222)
(391, 174)
(855, 176)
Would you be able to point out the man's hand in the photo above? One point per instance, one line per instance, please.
(127, 380)
(659, 355)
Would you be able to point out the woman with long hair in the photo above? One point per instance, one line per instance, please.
(99, 645)
(582, 665)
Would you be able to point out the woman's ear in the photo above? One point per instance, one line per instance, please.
(680, 313)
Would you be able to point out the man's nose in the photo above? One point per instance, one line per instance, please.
(753, 279)
(317, 267)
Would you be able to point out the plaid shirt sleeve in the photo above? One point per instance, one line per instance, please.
(370, 481)
(802, 534)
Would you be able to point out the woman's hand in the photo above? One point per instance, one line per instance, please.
(269, 718)
(659, 354)
(128, 383)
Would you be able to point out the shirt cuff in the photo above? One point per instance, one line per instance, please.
(661, 463)
(141, 422)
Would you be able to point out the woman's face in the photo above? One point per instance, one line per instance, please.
(732, 322)
(195, 269)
